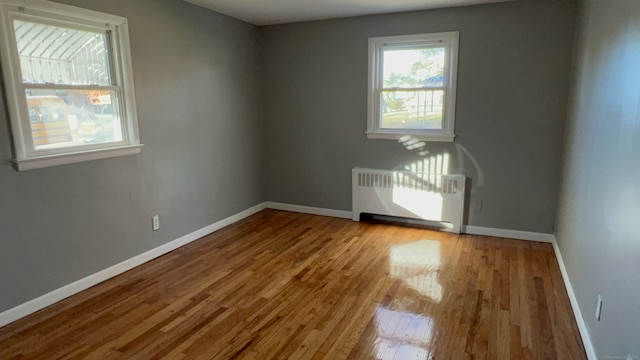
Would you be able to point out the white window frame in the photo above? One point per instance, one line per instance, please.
(448, 40)
(26, 156)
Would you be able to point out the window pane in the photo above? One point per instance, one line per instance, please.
(402, 109)
(411, 68)
(60, 55)
(67, 118)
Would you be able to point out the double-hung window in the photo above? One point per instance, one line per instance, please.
(412, 86)
(69, 84)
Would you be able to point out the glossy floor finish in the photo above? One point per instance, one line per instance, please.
(282, 285)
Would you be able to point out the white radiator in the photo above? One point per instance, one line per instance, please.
(433, 197)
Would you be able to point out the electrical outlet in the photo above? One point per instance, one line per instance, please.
(599, 307)
(156, 222)
(477, 204)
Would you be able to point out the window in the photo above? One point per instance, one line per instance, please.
(412, 86)
(69, 85)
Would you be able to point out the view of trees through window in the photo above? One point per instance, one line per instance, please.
(412, 96)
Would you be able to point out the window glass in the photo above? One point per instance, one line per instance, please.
(80, 114)
(421, 109)
(32, 114)
(411, 68)
(61, 55)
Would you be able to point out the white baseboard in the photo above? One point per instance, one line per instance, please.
(53, 297)
(582, 326)
(309, 210)
(512, 234)
(467, 229)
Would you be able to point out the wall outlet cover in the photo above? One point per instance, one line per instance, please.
(155, 220)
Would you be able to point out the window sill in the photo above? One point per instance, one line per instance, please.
(71, 158)
(419, 136)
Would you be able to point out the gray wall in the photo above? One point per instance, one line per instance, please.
(599, 215)
(512, 96)
(196, 75)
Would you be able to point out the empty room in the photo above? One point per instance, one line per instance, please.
(320, 179)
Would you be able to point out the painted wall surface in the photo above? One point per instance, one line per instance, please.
(599, 214)
(196, 75)
(513, 80)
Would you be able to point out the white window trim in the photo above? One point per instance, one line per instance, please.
(25, 156)
(376, 47)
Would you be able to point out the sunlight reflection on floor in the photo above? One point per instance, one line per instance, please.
(417, 264)
(402, 335)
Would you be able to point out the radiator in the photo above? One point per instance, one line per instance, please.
(433, 197)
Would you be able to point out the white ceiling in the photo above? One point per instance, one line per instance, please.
(269, 12)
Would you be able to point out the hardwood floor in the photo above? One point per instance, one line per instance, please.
(282, 285)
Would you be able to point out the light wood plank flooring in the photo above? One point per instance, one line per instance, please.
(282, 285)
